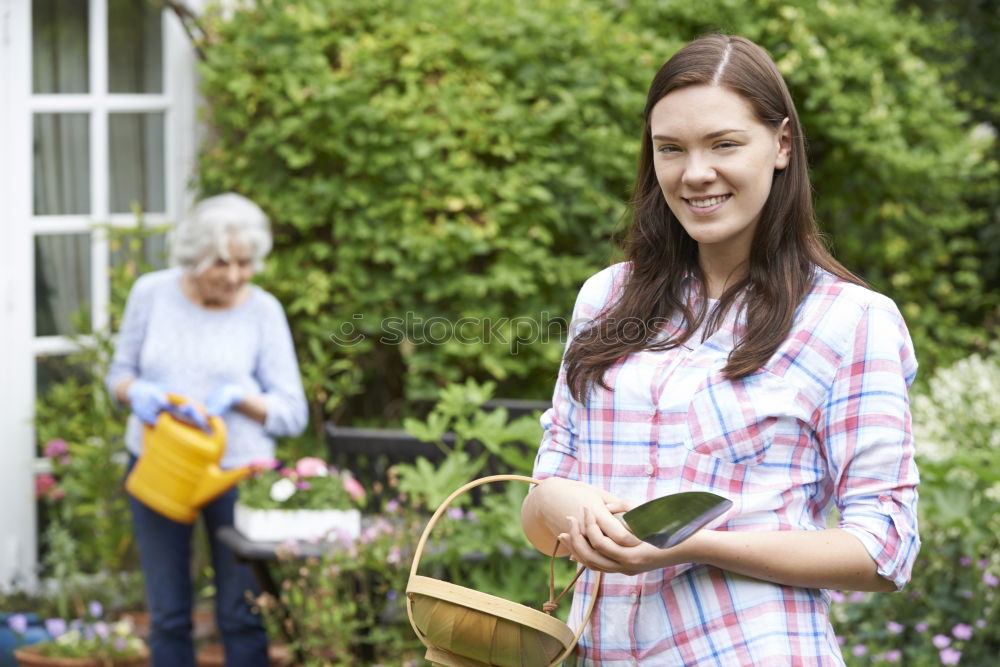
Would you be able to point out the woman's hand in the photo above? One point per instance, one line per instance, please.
(602, 542)
(546, 509)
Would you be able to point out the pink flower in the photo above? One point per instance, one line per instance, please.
(950, 656)
(837, 596)
(310, 466)
(981, 623)
(990, 579)
(57, 493)
(941, 641)
(894, 627)
(859, 650)
(264, 464)
(893, 656)
(354, 489)
(982, 563)
(303, 485)
(965, 561)
(44, 484)
(921, 626)
(857, 596)
(962, 631)
(455, 513)
(56, 447)
(392, 506)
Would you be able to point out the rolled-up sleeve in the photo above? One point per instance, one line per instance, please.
(865, 430)
(278, 375)
(128, 345)
(557, 454)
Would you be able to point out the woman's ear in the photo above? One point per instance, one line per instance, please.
(784, 139)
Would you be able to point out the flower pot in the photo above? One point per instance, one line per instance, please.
(213, 655)
(281, 525)
(29, 656)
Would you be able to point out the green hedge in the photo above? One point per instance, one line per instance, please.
(470, 159)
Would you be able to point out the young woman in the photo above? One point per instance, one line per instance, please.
(730, 353)
(204, 331)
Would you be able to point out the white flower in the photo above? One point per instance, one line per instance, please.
(282, 490)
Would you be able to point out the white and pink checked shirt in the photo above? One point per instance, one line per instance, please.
(825, 422)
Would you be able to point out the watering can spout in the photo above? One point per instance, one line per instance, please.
(217, 481)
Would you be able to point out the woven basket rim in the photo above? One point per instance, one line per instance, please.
(490, 604)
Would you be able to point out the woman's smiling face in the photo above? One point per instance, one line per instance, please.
(715, 161)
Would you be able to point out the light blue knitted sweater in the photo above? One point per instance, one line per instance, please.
(189, 350)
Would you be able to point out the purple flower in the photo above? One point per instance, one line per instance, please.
(455, 513)
(859, 650)
(893, 656)
(95, 608)
(981, 623)
(841, 641)
(120, 643)
(101, 630)
(857, 596)
(990, 579)
(302, 485)
(55, 627)
(965, 561)
(56, 447)
(837, 596)
(894, 627)
(18, 623)
(392, 506)
(961, 631)
(941, 641)
(982, 563)
(950, 656)
(921, 626)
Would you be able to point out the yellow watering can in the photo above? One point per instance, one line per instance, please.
(179, 471)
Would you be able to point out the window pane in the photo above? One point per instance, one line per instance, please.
(62, 284)
(62, 163)
(146, 251)
(135, 47)
(136, 156)
(59, 46)
(54, 369)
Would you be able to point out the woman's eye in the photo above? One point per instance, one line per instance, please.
(726, 144)
(667, 148)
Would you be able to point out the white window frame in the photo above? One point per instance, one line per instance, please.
(19, 347)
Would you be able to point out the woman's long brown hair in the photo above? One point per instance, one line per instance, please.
(786, 246)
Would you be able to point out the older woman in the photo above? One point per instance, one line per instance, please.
(202, 330)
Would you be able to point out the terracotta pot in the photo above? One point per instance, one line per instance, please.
(29, 656)
(213, 655)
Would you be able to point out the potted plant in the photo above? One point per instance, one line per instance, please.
(87, 642)
(306, 501)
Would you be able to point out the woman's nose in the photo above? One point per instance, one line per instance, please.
(698, 170)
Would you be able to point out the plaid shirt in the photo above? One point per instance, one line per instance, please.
(825, 422)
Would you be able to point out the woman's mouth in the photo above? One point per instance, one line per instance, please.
(706, 205)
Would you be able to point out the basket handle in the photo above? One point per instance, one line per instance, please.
(441, 510)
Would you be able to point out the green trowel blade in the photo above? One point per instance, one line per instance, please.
(668, 521)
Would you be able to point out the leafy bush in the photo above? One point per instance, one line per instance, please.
(468, 159)
(949, 610)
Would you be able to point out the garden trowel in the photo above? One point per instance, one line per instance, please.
(668, 521)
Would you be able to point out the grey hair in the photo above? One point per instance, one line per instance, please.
(205, 234)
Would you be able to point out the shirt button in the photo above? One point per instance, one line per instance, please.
(649, 469)
(632, 597)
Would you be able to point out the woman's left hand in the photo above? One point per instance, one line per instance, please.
(604, 544)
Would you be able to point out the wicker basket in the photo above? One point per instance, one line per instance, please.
(462, 627)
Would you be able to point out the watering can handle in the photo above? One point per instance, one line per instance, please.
(441, 510)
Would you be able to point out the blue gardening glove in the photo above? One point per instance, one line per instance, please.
(223, 399)
(147, 400)
(192, 414)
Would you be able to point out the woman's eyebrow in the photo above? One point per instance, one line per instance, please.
(710, 135)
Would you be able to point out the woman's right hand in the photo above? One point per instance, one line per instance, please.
(547, 508)
(147, 400)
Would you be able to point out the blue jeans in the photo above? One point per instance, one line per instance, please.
(165, 555)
